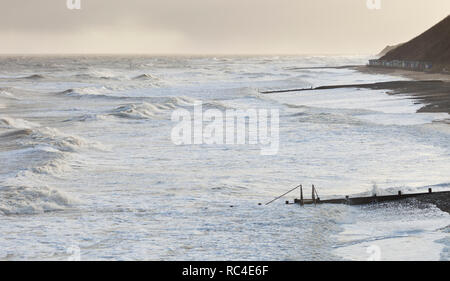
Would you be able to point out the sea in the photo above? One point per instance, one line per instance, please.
(89, 169)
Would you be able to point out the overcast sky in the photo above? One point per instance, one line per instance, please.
(213, 26)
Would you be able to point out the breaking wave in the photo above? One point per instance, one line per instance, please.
(99, 74)
(33, 77)
(55, 166)
(136, 111)
(12, 123)
(146, 77)
(216, 105)
(6, 94)
(182, 101)
(27, 200)
(156, 107)
(86, 76)
(88, 92)
(152, 80)
(34, 134)
(86, 118)
(92, 92)
(107, 75)
(149, 110)
(38, 152)
(375, 190)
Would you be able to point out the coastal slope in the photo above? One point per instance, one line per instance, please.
(387, 49)
(431, 46)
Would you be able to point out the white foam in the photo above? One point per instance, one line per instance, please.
(21, 200)
(16, 123)
(349, 98)
(148, 110)
(6, 94)
(136, 111)
(393, 232)
(381, 108)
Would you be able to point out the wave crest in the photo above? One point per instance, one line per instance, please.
(16, 123)
(26, 200)
(136, 111)
(33, 134)
(33, 77)
(6, 94)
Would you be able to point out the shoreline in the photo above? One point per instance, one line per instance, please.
(435, 98)
(433, 94)
(422, 87)
(430, 89)
(414, 75)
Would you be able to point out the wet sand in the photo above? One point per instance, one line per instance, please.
(434, 94)
(431, 89)
(414, 75)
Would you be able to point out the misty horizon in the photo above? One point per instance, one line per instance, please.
(200, 27)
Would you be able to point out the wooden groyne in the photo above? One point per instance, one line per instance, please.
(315, 199)
(365, 200)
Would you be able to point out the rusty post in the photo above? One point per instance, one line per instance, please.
(313, 195)
(301, 195)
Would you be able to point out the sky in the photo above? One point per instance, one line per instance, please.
(213, 26)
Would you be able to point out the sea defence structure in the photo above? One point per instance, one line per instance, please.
(360, 200)
(315, 199)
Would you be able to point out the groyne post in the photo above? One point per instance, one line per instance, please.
(313, 195)
(301, 195)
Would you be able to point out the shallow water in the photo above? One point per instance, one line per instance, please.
(88, 162)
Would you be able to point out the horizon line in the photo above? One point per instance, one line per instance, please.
(186, 54)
